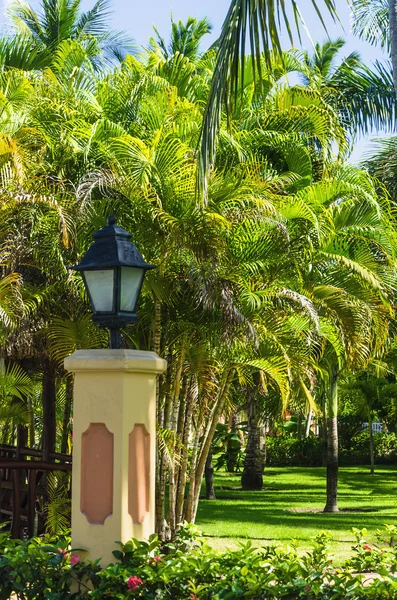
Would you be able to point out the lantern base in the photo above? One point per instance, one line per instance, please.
(115, 339)
(114, 323)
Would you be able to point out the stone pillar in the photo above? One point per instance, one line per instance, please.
(114, 448)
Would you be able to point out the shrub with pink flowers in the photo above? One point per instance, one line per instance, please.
(134, 582)
(47, 569)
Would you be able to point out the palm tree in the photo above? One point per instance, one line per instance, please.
(364, 97)
(250, 29)
(355, 321)
(40, 34)
(367, 392)
(381, 163)
(376, 21)
(185, 38)
(371, 21)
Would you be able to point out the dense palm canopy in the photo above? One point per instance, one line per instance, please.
(284, 275)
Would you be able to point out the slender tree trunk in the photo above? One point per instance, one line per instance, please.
(324, 433)
(31, 423)
(300, 423)
(188, 512)
(209, 478)
(209, 434)
(252, 477)
(6, 431)
(66, 413)
(371, 444)
(161, 464)
(160, 460)
(172, 488)
(180, 496)
(49, 422)
(332, 444)
(160, 498)
(231, 451)
(156, 348)
(308, 423)
(263, 446)
(22, 440)
(393, 38)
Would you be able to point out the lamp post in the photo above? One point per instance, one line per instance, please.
(114, 408)
(113, 271)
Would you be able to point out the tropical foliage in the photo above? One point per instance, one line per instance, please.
(190, 569)
(271, 287)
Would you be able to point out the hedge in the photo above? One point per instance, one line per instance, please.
(45, 569)
(308, 452)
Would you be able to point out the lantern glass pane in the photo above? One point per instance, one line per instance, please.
(130, 284)
(101, 287)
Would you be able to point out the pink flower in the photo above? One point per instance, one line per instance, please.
(157, 558)
(133, 582)
(74, 559)
(366, 547)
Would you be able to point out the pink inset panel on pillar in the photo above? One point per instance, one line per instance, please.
(96, 500)
(139, 473)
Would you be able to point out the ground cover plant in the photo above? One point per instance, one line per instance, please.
(277, 514)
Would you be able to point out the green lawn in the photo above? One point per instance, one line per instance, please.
(265, 517)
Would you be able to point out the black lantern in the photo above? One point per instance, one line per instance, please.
(113, 271)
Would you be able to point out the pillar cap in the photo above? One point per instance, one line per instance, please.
(131, 361)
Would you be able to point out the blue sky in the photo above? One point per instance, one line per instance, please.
(137, 17)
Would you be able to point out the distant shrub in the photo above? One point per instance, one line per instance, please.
(358, 453)
(285, 451)
(292, 452)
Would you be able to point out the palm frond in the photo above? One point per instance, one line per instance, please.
(370, 21)
(250, 27)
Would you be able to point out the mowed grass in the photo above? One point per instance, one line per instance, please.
(265, 517)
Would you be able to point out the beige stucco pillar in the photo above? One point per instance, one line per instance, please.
(114, 431)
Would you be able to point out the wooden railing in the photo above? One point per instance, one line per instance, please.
(23, 483)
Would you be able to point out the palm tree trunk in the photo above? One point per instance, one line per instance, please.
(393, 38)
(332, 444)
(209, 478)
(66, 413)
(371, 444)
(172, 488)
(209, 434)
(180, 496)
(6, 431)
(49, 422)
(31, 422)
(324, 432)
(188, 512)
(308, 423)
(160, 525)
(252, 477)
(232, 451)
(156, 348)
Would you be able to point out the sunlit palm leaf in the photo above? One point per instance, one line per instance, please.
(250, 27)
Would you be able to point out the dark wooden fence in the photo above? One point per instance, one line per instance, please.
(23, 489)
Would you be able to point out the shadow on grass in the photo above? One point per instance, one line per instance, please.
(267, 515)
